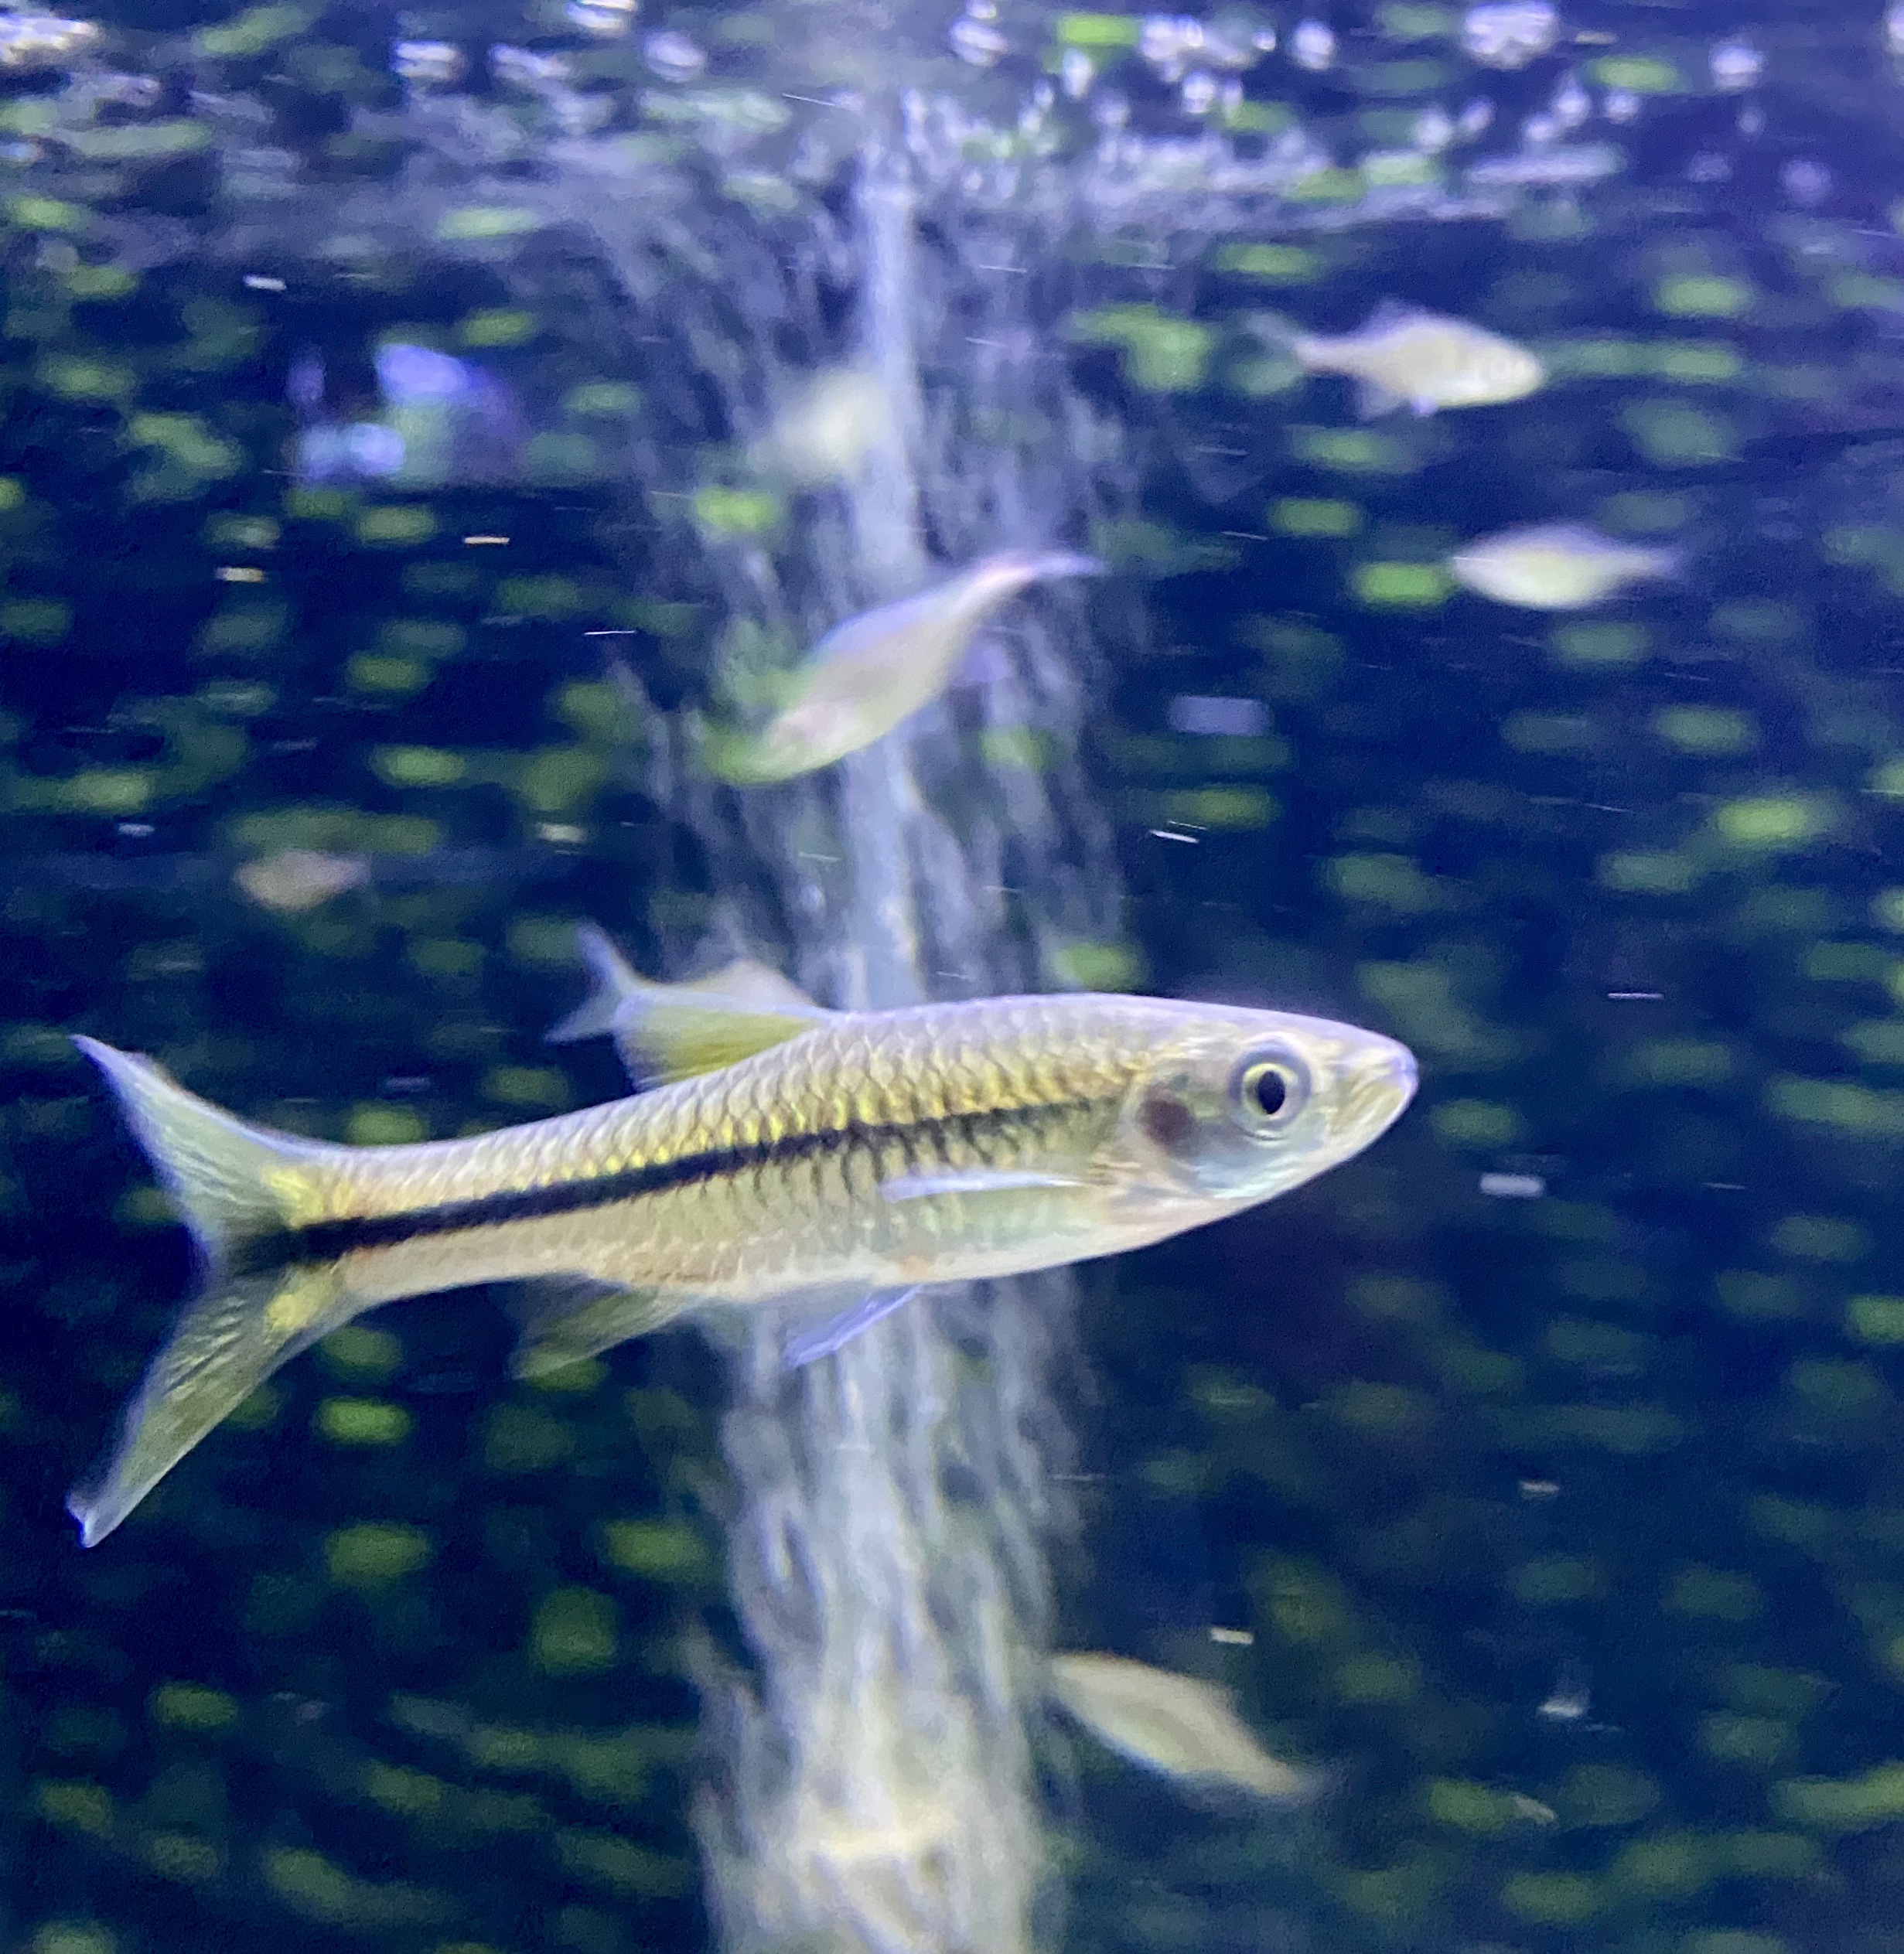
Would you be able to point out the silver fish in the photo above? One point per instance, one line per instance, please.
(869, 674)
(819, 1164)
(1403, 356)
(1556, 566)
(1177, 1725)
(294, 880)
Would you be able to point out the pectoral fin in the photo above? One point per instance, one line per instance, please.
(979, 1180)
(815, 1340)
(666, 1031)
(566, 1320)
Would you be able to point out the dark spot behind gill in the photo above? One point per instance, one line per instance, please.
(1166, 1120)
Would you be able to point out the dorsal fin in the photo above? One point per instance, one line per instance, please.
(753, 987)
(1391, 314)
(616, 980)
(666, 1031)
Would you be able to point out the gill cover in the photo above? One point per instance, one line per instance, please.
(1212, 1122)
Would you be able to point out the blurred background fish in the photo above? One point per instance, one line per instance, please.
(288, 881)
(294, 880)
(827, 428)
(867, 675)
(1178, 1726)
(1403, 356)
(426, 419)
(1556, 566)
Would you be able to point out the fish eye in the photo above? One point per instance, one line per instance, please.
(1269, 1088)
(1266, 1088)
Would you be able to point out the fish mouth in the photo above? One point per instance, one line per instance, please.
(1385, 1077)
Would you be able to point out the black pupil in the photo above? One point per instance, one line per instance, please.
(1269, 1090)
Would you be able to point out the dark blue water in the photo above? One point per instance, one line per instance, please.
(1544, 1462)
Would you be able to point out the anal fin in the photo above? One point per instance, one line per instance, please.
(1373, 400)
(567, 1319)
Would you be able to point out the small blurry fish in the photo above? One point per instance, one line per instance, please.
(331, 448)
(433, 419)
(456, 421)
(429, 64)
(287, 879)
(1556, 566)
(818, 1165)
(828, 428)
(1403, 356)
(869, 674)
(363, 451)
(294, 880)
(304, 382)
(604, 20)
(29, 41)
(1571, 1695)
(411, 376)
(1174, 1725)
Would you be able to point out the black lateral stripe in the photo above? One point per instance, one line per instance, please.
(325, 1241)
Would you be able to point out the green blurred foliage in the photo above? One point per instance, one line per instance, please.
(1568, 1523)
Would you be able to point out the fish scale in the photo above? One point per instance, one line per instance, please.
(952, 1104)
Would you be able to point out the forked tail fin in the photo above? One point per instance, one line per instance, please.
(240, 1188)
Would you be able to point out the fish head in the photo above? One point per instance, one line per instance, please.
(1503, 372)
(1236, 1106)
(1006, 571)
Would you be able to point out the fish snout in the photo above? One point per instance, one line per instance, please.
(1070, 562)
(1382, 1076)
